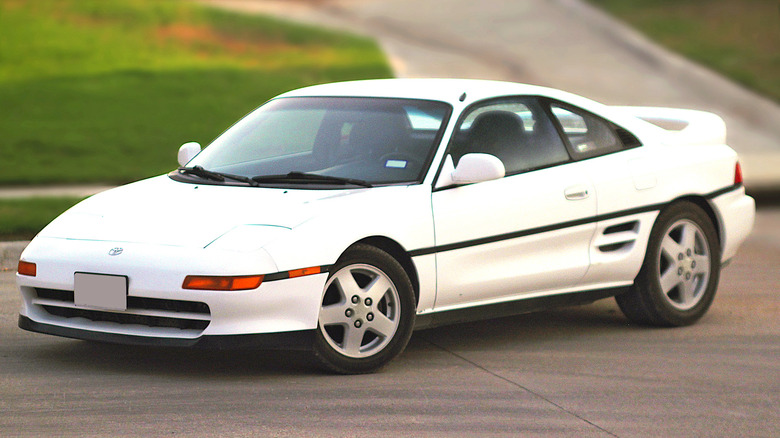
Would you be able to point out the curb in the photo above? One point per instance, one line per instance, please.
(10, 253)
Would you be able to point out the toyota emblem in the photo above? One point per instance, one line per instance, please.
(115, 251)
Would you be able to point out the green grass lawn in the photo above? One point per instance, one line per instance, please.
(96, 91)
(99, 91)
(738, 38)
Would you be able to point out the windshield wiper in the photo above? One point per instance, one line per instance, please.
(303, 177)
(216, 176)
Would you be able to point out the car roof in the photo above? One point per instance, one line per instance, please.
(452, 91)
(446, 90)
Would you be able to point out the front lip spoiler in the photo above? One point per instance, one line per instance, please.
(294, 340)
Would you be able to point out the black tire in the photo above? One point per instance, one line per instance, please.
(681, 270)
(367, 312)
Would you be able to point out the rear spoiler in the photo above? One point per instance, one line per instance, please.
(684, 127)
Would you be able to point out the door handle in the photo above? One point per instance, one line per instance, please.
(575, 193)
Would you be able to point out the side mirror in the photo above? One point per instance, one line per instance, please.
(472, 168)
(187, 152)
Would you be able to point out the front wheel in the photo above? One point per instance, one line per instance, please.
(680, 274)
(367, 312)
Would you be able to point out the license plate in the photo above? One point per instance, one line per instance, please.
(100, 291)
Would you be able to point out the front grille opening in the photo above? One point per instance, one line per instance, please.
(169, 305)
(124, 318)
(174, 311)
(54, 294)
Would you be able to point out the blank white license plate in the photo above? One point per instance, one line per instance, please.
(100, 291)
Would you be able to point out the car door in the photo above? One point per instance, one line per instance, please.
(623, 174)
(522, 234)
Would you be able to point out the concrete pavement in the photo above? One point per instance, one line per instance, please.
(75, 191)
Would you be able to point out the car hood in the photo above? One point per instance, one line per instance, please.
(166, 212)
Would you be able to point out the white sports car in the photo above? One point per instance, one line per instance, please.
(341, 217)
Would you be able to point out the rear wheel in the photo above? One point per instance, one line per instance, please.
(680, 274)
(367, 312)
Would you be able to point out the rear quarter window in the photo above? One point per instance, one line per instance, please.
(589, 135)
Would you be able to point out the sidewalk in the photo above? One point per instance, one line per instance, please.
(75, 191)
(9, 254)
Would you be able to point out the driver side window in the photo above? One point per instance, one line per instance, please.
(515, 130)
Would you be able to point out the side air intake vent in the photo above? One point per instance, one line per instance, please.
(619, 228)
(615, 246)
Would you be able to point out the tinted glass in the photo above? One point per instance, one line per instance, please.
(371, 139)
(516, 130)
(588, 135)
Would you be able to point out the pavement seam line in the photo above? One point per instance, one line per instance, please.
(518, 385)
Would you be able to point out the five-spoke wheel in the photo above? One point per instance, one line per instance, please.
(684, 264)
(360, 311)
(367, 312)
(679, 277)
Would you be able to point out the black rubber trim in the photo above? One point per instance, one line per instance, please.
(723, 191)
(324, 269)
(555, 227)
(295, 340)
(517, 307)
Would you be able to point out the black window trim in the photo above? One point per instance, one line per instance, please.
(547, 103)
(544, 102)
(540, 100)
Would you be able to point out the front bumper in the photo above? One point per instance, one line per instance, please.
(294, 340)
(159, 311)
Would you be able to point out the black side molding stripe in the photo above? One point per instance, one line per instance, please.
(538, 230)
(723, 191)
(554, 227)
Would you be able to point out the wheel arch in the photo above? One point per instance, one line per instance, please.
(647, 302)
(398, 252)
(702, 203)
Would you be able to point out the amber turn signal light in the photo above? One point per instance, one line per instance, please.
(305, 271)
(27, 268)
(202, 282)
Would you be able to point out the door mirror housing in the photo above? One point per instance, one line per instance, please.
(187, 152)
(472, 168)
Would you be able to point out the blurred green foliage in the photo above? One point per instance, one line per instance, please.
(738, 38)
(24, 218)
(106, 91)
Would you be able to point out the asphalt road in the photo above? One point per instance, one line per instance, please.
(581, 371)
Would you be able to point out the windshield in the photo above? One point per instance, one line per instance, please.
(375, 140)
